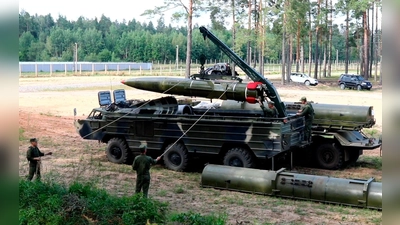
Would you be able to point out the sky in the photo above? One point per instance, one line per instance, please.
(114, 9)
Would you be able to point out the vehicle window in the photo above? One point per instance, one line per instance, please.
(360, 78)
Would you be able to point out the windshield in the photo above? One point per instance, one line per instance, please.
(360, 78)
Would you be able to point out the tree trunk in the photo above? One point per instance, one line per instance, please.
(302, 57)
(298, 46)
(289, 58)
(189, 39)
(325, 48)
(233, 37)
(249, 33)
(283, 52)
(309, 46)
(346, 63)
(316, 41)
(365, 50)
(371, 55)
(377, 42)
(330, 40)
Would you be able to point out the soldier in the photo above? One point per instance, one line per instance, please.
(142, 165)
(308, 112)
(271, 111)
(34, 157)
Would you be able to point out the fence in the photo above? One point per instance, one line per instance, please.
(163, 68)
(79, 67)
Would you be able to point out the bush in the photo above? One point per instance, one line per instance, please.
(52, 203)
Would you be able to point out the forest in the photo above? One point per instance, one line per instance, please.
(283, 31)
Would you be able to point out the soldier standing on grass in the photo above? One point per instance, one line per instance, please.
(142, 165)
(308, 112)
(34, 157)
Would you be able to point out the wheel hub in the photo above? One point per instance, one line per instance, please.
(328, 157)
(175, 159)
(235, 162)
(116, 152)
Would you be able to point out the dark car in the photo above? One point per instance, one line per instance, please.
(352, 81)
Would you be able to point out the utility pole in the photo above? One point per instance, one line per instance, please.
(76, 57)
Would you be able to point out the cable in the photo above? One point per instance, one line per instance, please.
(192, 125)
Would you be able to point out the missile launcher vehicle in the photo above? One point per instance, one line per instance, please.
(234, 132)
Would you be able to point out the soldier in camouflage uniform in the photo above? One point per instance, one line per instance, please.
(142, 165)
(308, 112)
(34, 157)
(271, 111)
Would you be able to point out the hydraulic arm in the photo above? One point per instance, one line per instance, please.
(269, 88)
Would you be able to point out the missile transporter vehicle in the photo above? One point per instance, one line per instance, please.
(235, 132)
(237, 137)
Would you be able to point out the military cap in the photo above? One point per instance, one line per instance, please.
(271, 102)
(33, 140)
(303, 99)
(142, 146)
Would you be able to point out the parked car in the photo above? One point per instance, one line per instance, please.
(353, 81)
(303, 78)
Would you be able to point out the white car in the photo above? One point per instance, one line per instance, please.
(303, 78)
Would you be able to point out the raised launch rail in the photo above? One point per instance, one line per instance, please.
(253, 74)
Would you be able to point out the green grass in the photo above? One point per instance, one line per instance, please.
(22, 136)
(192, 218)
(49, 114)
(179, 189)
(374, 162)
(52, 203)
(372, 132)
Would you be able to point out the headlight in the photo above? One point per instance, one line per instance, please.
(363, 83)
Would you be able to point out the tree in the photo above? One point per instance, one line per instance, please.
(188, 13)
(25, 42)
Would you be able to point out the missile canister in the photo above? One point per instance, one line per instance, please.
(200, 88)
(353, 192)
(333, 116)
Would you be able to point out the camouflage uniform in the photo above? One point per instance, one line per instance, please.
(142, 165)
(34, 165)
(308, 112)
(269, 112)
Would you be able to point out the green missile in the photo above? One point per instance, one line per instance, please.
(211, 89)
(352, 192)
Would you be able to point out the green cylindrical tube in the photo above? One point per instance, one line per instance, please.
(359, 193)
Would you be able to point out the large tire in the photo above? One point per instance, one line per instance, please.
(342, 86)
(239, 157)
(359, 88)
(176, 158)
(117, 151)
(307, 83)
(329, 156)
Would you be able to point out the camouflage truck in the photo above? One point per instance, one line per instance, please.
(236, 137)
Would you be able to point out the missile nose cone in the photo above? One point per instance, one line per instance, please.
(123, 81)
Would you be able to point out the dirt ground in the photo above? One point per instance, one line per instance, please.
(46, 108)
